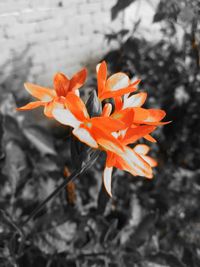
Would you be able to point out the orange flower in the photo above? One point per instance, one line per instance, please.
(116, 85)
(106, 133)
(51, 98)
(94, 131)
(113, 131)
(135, 161)
(141, 116)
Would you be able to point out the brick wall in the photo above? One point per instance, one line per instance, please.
(41, 37)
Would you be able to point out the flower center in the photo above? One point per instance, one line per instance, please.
(117, 116)
(88, 124)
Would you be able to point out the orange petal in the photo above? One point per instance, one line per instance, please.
(76, 106)
(32, 105)
(133, 134)
(110, 160)
(109, 123)
(78, 80)
(42, 93)
(107, 179)
(152, 162)
(117, 81)
(133, 163)
(106, 140)
(114, 94)
(58, 102)
(61, 84)
(140, 115)
(118, 103)
(150, 138)
(149, 116)
(141, 149)
(136, 100)
(101, 77)
(126, 116)
(155, 115)
(85, 136)
(65, 117)
(107, 109)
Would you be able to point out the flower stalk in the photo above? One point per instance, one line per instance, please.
(85, 166)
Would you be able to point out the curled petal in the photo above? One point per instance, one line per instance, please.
(141, 149)
(133, 134)
(32, 105)
(117, 81)
(48, 109)
(106, 140)
(150, 138)
(107, 109)
(78, 80)
(152, 162)
(84, 136)
(155, 115)
(133, 163)
(136, 100)
(58, 103)
(145, 116)
(149, 116)
(101, 77)
(42, 93)
(107, 179)
(76, 106)
(118, 103)
(61, 84)
(120, 92)
(65, 117)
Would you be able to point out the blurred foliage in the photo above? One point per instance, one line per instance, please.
(147, 223)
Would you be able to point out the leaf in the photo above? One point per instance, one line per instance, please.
(8, 230)
(10, 128)
(46, 187)
(186, 15)
(1, 136)
(144, 231)
(40, 139)
(167, 258)
(159, 16)
(7, 104)
(93, 105)
(56, 240)
(119, 6)
(16, 167)
(116, 35)
(46, 165)
(191, 233)
(166, 10)
(111, 231)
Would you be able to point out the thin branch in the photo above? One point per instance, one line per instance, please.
(71, 178)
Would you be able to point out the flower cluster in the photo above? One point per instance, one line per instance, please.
(117, 127)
